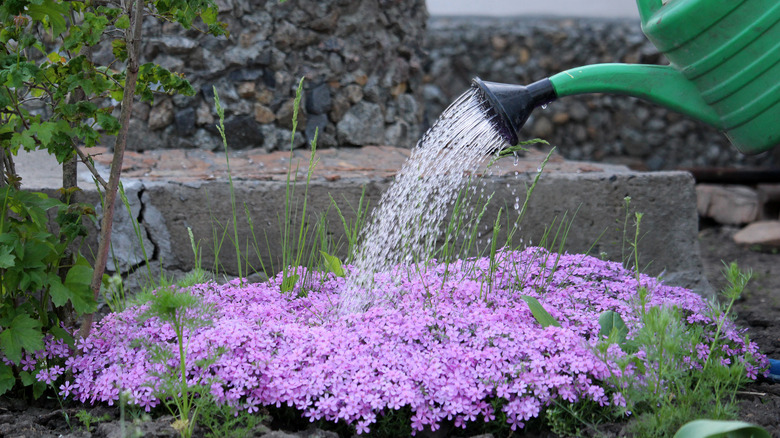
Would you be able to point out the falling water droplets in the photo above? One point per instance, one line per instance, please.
(405, 224)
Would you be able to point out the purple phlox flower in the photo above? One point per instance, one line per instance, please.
(751, 371)
(702, 351)
(66, 388)
(45, 376)
(444, 348)
(28, 362)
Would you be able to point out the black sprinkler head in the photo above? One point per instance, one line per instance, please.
(513, 103)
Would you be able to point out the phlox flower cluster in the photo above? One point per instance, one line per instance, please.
(445, 341)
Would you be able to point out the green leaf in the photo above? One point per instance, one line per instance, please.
(7, 260)
(7, 379)
(23, 333)
(38, 389)
(24, 139)
(119, 49)
(20, 72)
(155, 78)
(520, 147)
(55, 58)
(123, 22)
(60, 333)
(27, 378)
(78, 280)
(721, 429)
(333, 264)
(540, 314)
(109, 123)
(44, 131)
(209, 15)
(51, 14)
(611, 322)
(58, 292)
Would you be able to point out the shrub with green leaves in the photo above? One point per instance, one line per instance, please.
(55, 97)
(41, 285)
(45, 48)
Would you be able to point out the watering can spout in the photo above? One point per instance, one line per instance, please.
(662, 85)
(509, 106)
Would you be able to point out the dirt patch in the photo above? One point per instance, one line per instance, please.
(759, 310)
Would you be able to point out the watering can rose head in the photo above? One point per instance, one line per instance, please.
(724, 71)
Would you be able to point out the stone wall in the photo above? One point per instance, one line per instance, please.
(588, 127)
(379, 72)
(361, 59)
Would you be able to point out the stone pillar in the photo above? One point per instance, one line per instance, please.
(361, 60)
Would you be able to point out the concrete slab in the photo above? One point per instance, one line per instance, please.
(171, 190)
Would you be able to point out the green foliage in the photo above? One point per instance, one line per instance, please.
(221, 129)
(574, 419)
(333, 264)
(20, 333)
(352, 229)
(721, 429)
(39, 283)
(87, 419)
(675, 393)
(43, 59)
(45, 63)
(615, 331)
(292, 247)
(541, 315)
(225, 421)
(520, 147)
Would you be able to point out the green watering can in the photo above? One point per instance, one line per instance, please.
(725, 71)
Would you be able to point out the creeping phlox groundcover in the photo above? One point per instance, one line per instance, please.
(442, 342)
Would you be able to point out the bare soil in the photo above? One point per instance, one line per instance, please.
(759, 310)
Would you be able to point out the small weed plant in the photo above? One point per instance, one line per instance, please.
(87, 419)
(179, 313)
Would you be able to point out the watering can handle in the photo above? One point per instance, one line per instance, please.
(647, 8)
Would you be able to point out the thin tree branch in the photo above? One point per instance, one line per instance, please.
(133, 39)
(88, 163)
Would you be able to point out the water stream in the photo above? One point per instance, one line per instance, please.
(405, 224)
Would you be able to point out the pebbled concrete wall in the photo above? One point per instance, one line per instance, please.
(361, 60)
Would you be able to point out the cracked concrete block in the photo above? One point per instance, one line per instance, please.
(593, 203)
(589, 195)
(156, 229)
(127, 243)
